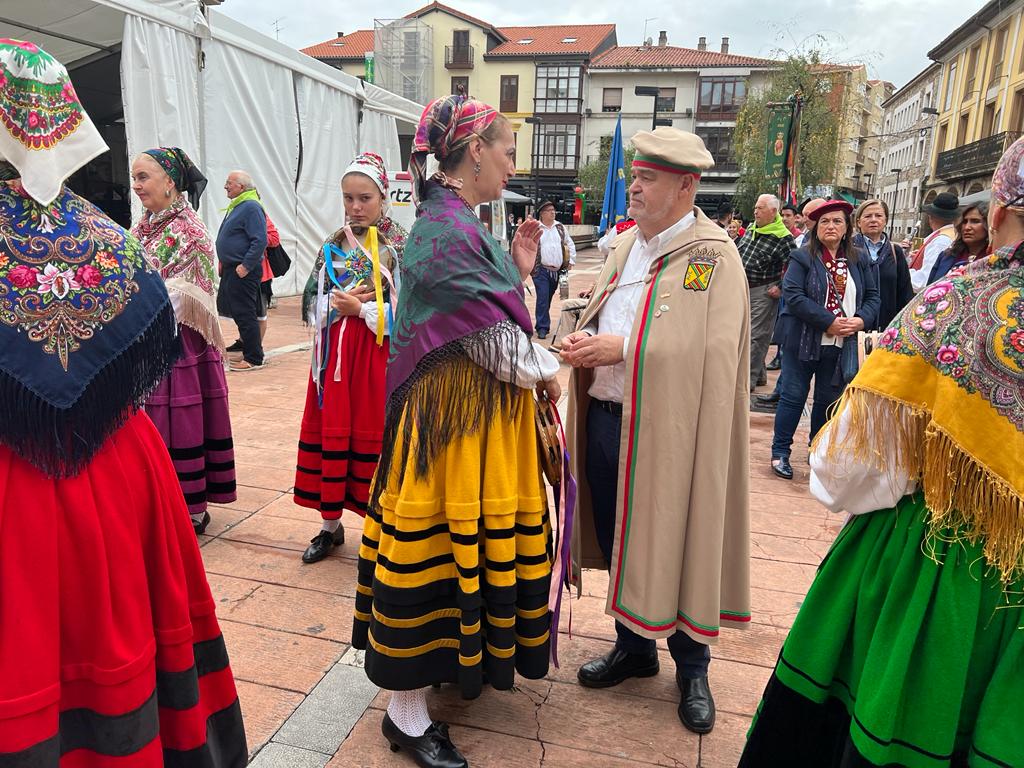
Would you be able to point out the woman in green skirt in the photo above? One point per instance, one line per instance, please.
(909, 649)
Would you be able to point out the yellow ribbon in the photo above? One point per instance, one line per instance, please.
(378, 288)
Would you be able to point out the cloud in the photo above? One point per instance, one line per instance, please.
(892, 37)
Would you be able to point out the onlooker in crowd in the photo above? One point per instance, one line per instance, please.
(267, 276)
(887, 260)
(734, 229)
(830, 296)
(765, 250)
(790, 217)
(805, 212)
(941, 212)
(241, 242)
(724, 215)
(682, 572)
(557, 253)
(971, 242)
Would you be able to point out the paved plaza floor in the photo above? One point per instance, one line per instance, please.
(304, 696)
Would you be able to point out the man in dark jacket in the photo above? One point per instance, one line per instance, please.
(241, 241)
(887, 260)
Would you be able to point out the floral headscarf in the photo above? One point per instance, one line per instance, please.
(447, 124)
(372, 166)
(45, 133)
(186, 176)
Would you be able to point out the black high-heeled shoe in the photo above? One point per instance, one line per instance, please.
(782, 467)
(434, 749)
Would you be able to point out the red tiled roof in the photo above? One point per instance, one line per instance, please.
(435, 6)
(548, 40)
(642, 57)
(351, 46)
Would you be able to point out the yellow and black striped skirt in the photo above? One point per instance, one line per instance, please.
(454, 567)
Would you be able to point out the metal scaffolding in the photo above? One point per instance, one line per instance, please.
(403, 55)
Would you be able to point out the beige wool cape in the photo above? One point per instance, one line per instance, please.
(680, 558)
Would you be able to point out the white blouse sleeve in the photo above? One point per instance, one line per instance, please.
(533, 362)
(369, 312)
(850, 484)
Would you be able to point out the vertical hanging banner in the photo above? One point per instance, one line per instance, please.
(368, 67)
(791, 185)
(780, 121)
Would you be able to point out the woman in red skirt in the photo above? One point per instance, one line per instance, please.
(110, 651)
(348, 300)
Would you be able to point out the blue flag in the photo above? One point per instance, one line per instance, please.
(614, 209)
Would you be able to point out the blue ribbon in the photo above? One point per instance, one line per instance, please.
(330, 252)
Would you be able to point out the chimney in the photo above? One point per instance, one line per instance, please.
(702, 44)
(662, 39)
(725, 45)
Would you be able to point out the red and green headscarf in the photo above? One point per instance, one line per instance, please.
(447, 124)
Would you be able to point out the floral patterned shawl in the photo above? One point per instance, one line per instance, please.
(944, 395)
(179, 247)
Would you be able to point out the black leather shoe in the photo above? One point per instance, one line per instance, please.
(431, 750)
(200, 527)
(697, 706)
(775, 364)
(616, 666)
(771, 399)
(782, 467)
(321, 545)
(236, 347)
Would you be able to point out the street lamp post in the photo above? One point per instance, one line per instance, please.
(867, 183)
(534, 121)
(895, 200)
(650, 90)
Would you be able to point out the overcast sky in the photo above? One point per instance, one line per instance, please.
(892, 37)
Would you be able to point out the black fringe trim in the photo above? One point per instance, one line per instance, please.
(62, 441)
(450, 395)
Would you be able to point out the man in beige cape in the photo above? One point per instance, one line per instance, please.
(658, 418)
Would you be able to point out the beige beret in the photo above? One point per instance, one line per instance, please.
(673, 150)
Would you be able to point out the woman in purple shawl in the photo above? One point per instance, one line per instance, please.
(455, 561)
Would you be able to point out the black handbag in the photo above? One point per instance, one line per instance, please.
(278, 259)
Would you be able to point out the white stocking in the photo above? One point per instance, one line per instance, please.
(408, 710)
(331, 526)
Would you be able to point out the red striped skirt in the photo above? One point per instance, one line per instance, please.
(339, 443)
(110, 651)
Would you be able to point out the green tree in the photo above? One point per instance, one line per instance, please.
(593, 176)
(821, 122)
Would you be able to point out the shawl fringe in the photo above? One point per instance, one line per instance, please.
(197, 316)
(966, 500)
(62, 441)
(450, 395)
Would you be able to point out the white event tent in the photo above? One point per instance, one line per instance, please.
(231, 97)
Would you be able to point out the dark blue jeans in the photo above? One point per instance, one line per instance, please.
(795, 381)
(545, 283)
(603, 428)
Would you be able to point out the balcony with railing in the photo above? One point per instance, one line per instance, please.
(974, 159)
(458, 56)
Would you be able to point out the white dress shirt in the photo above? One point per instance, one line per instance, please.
(619, 311)
(551, 247)
(849, 310)
(919, 277)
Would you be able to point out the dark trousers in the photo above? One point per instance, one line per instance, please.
(796, 384)
(239, 298)
(603, 428)
(545, 283)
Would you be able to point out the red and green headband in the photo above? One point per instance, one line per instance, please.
(660, 164)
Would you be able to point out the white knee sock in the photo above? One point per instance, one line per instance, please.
(408, 710)
(331, 526)
(197, 517)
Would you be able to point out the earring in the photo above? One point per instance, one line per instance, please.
(476, 171)
(167, 193)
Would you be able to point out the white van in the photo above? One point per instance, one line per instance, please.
(403, 211)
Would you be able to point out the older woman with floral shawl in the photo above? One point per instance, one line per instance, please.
(190, 407)
(909, 649)
(110, 651)
(454, 565)
(343, 421)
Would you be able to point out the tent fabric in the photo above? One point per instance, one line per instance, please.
(379, 133)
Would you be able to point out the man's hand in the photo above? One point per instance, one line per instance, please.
(241, 271)
(593, 351)
(551, 389)
(587, 293)
(569, 341)
(525, 245)
(774, 292)
(350, 303)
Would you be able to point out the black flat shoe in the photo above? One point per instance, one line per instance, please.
(616, 666)
(236, 347)
(782, 467)
(775, 364)
(434, 749)
(771, 399)
(321, 545)
(200, 527)
(697, 706)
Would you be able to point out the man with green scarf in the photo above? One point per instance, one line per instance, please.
(765, 250)
(241, 241)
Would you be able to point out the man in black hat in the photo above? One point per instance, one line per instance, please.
(941, 212)
(556, 253)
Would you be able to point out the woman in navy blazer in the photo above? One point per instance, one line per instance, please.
(830, 294)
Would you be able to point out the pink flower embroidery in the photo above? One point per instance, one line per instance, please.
(30, 47)
(169, 241)
(889, 336)
(928, 324)
(3, 80)
(68, 92)
(88, 276)
(942, 306)
(22, 276)
(1017, 340)
(34, 120)
(948, 354)
(935, 292)
(57, 283)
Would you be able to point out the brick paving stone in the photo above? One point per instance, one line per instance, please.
(273, 565)
(785, 577)
(264, 708)
(279, 659)
(284, 756)
(252, 499)
(786, 549)
(222, 518)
